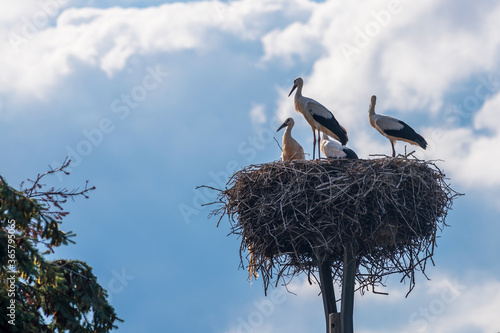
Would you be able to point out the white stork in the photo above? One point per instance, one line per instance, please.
(333, 149)
(319, 117)
(393, 129)
(292, 150)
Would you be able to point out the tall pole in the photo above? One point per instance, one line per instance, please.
(327, 291)
(348, 281)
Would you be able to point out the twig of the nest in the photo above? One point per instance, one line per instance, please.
(281, 149)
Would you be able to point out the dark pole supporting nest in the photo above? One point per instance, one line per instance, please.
(348, 282)
(327, 291)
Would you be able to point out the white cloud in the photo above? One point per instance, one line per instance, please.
(450, 305)
(408, 54)
(411, 62)
(297, 309)
(445, 304)
(108, 38)
(13, 14)
(258, 114)
(470, 152)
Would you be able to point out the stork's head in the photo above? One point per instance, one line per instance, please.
(371, 109)
(298, 82)
(288, 122)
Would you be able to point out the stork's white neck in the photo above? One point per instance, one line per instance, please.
(371, 109)
(288, 133)
(298, 99)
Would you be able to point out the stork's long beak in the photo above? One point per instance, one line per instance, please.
(293, 88)
(282, 125)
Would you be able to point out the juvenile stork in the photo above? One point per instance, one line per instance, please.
(394, 129)
(292, 150)
(333, 149)
(318, 116)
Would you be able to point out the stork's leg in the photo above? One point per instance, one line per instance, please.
(393, 150)
(314, 142)
(319, 144)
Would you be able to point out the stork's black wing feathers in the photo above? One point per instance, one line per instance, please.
(349, 153)
(407, 133)
(333, 125)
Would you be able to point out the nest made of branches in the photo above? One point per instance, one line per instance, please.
(290, 215)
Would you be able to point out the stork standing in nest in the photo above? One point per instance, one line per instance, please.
(333, 149)
(292, 150)
(394, 129)
(318, 116)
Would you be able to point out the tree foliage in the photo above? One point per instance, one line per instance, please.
(37, 294)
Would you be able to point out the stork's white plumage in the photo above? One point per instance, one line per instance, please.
(393, 129)
(318, 116)
(333, 149)
(292, 150)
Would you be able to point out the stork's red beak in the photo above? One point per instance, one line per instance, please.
(293, 88)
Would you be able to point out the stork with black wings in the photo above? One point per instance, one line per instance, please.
(318, 116)
(394, 129)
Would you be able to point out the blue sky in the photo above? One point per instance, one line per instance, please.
(153, 98)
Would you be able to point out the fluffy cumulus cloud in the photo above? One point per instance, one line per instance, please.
(469, 151)
(450, 304)
(44, 40)
(404, 51)
(258, 114)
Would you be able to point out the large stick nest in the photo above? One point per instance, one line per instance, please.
(292, 214)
